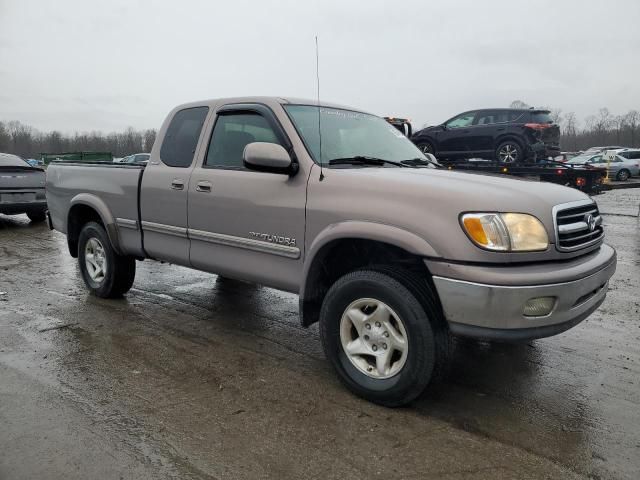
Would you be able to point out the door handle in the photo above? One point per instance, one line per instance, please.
(177, 184)
(203, 187)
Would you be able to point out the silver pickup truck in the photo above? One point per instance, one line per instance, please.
(391, 254)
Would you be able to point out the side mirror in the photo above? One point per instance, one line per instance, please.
(267, 157)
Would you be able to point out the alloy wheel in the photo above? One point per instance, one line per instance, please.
(95, 260)
(508, 153)
(374, 338)
(426, 148)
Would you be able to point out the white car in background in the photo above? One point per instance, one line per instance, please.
(618, 167)
(594, 150)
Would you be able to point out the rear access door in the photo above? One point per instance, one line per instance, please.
(165, 186)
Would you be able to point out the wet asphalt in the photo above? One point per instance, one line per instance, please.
(195, 376)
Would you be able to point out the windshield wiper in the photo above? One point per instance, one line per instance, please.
(421, 161)
(364, 160)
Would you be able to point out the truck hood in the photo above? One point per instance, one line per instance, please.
(488, 191)
(428, 203)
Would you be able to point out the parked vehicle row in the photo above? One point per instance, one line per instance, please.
(388, 252)
(617, 166)
(22, 188)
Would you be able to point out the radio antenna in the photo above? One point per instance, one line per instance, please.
(318, 105)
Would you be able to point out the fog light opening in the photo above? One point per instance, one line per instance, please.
(538, 306)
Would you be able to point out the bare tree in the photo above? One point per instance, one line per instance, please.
(149, 138)
(618, 122)
(556, 115)
(518, 104)
(5, 138)
(632, 118)
(570, 129)
(602, 124)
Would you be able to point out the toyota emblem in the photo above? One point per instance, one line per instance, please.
(591, 221)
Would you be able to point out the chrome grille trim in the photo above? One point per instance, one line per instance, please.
(571, 231)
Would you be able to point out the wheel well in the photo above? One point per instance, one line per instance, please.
(513, 138)
(422, 141)
(79, 216)
(340, 257)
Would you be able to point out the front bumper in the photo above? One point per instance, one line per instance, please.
(495, 312)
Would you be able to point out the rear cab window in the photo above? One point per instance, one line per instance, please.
(181, 138)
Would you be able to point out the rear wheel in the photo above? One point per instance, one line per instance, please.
(623, 175)
(381, 336)
(105, 273)
(509, 151)
(37, 216)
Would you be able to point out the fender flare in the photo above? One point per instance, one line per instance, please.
(364, 230)
(103, 211)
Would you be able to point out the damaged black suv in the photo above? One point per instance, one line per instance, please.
(504, 134)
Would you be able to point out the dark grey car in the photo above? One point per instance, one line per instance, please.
(21, 188)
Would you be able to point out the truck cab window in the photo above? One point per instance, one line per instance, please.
(181, 138)
(233, 132)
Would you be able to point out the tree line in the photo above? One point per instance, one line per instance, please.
(26, 141)
(601, 129)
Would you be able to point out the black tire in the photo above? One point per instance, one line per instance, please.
(509, 151)
(623, 175)
(426, 147)
(427, 336)
(37, 216)
(120, 270)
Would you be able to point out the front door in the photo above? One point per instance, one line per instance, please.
(243, 223)
(165, 187)
(454, 139)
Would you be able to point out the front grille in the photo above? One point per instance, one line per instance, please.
(572, 230)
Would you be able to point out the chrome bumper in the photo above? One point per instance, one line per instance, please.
(496, 311)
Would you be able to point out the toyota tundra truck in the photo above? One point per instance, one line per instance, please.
(389, 253)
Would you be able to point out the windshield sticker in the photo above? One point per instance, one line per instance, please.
(342, 113)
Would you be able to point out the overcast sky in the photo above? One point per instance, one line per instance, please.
(106, 65)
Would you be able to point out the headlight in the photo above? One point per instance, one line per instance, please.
(506, 232)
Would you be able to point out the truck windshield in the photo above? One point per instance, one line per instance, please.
(348, 134)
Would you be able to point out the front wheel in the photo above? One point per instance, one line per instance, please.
(623, 175)
(105, 273)
(426, 147)
(381, 336)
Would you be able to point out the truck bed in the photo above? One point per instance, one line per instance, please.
(71, 185)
